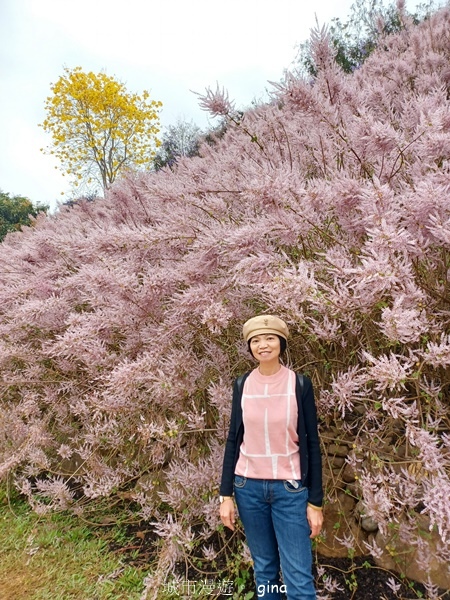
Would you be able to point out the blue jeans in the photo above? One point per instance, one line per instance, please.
(273, 513)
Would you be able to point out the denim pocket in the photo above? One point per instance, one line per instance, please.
(294, 486)
(239, 481)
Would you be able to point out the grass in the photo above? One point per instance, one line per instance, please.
(57, 557)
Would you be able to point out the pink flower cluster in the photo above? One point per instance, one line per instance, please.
(120, 328)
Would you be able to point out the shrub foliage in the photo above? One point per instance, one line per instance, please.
(120, 319)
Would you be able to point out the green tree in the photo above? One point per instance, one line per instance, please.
(355, 39)
(16, 211)
(99, 128)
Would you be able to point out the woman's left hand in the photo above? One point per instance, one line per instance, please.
(315, 520)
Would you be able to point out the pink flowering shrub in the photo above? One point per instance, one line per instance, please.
(121, 319)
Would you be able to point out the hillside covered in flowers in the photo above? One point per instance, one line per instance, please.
(120, 319)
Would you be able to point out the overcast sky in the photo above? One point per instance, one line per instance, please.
(169, 47)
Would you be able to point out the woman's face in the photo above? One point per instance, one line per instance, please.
(266, 347)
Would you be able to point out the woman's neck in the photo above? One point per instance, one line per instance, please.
(269, 369)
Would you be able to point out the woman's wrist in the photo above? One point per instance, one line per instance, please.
(314, 506)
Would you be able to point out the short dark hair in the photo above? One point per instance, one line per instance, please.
(283, 345)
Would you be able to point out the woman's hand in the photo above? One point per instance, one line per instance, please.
(315, 520)
(227, 513)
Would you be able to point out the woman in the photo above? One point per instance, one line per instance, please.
(272, 464)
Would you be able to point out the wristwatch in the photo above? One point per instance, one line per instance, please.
(222, 498)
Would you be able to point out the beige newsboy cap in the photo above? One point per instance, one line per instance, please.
(264, 324)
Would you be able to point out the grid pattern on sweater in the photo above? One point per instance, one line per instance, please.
(270, 446)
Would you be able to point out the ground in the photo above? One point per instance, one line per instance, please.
(363, 580)
(358, 579)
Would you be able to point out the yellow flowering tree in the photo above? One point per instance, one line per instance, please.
(99, 128)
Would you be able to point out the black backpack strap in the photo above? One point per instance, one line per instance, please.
(300, 384)
(240, 383)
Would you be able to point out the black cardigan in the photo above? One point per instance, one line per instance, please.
(310, 458)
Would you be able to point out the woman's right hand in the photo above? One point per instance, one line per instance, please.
(227, 513)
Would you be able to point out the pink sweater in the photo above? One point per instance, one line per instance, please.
(270, 447)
